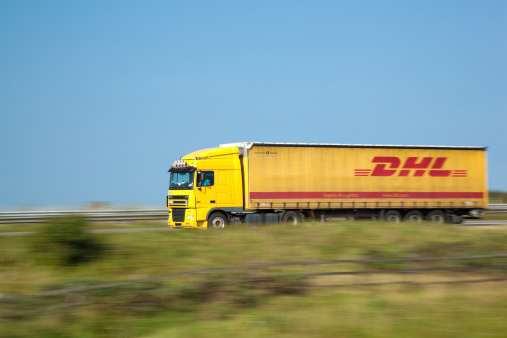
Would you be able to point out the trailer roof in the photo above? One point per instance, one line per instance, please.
(248, 145)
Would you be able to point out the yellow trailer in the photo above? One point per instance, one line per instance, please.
(272, 182)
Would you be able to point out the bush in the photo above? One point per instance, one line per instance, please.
(64, 241)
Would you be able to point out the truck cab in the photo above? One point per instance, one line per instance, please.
(204, 188)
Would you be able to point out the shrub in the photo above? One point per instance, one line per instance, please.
(64, 241)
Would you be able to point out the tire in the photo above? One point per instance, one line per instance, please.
(217, 220)
(291, 217)
(414, 216)
(457, 219)
(392, 216)
(436, 216)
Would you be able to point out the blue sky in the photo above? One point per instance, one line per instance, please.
(98, 98)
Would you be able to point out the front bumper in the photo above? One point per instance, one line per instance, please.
(184, 218)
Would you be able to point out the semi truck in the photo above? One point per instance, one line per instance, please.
(264, 183)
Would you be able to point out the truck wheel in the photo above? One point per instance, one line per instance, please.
(436, 216)
(392, 216)
(217, 220)
(413, 216)
(291, 217)
(457, 219)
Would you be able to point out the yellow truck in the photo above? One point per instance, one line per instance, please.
(255, 182)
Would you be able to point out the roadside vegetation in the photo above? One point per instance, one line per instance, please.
(497, 217)
(499, 197)
(297, 300)
(36, 227)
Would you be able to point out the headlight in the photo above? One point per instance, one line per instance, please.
(190, 217)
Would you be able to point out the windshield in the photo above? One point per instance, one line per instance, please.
(181, 181)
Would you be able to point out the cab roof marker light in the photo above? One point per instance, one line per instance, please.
(179, 164)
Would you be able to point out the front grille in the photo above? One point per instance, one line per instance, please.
(178, 197)
(178, 200)
(178, 215)
(184, 203)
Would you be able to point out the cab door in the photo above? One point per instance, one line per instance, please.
(205, 195)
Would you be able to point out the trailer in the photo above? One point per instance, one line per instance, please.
(256, 182)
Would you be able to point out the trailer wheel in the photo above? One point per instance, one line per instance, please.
(392, 216)
(413, 216)
(436, 216)
(217, 220)
(291, 217)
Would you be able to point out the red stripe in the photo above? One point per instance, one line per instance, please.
(341, 195)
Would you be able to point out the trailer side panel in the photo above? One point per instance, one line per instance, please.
(305, 177)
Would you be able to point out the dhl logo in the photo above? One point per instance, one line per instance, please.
(413, 166)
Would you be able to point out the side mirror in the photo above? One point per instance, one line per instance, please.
(200, 178)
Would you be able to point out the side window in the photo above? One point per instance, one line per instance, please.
(206, 178)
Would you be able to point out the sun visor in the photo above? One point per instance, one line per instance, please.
(188, 169)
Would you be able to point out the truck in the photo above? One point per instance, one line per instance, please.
(265, 183)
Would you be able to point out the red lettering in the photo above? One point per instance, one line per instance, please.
(389, 165)
(380, 169)
(404, 173)
(439, 163)
(411, 163)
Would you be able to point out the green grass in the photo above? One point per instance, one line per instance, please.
(104, 225)
(495, 216)
(266, 301)
(437, 311)
(498, 196)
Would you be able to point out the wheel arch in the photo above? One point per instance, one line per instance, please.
(225, 211)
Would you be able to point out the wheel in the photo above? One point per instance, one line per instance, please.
(436, 216)
(217, 220)
(392, 216)
(413, 216)
(291, 217)
(457, 219)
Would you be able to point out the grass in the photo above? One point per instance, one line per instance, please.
(390, 311)
(34, 227)
(498, 196)
(495, 216)
(266, 301)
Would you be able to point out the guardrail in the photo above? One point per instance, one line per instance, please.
(14, 217)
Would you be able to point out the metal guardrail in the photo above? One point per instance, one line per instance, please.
(14, 217)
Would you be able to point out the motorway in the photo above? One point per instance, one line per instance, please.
(24, 217)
